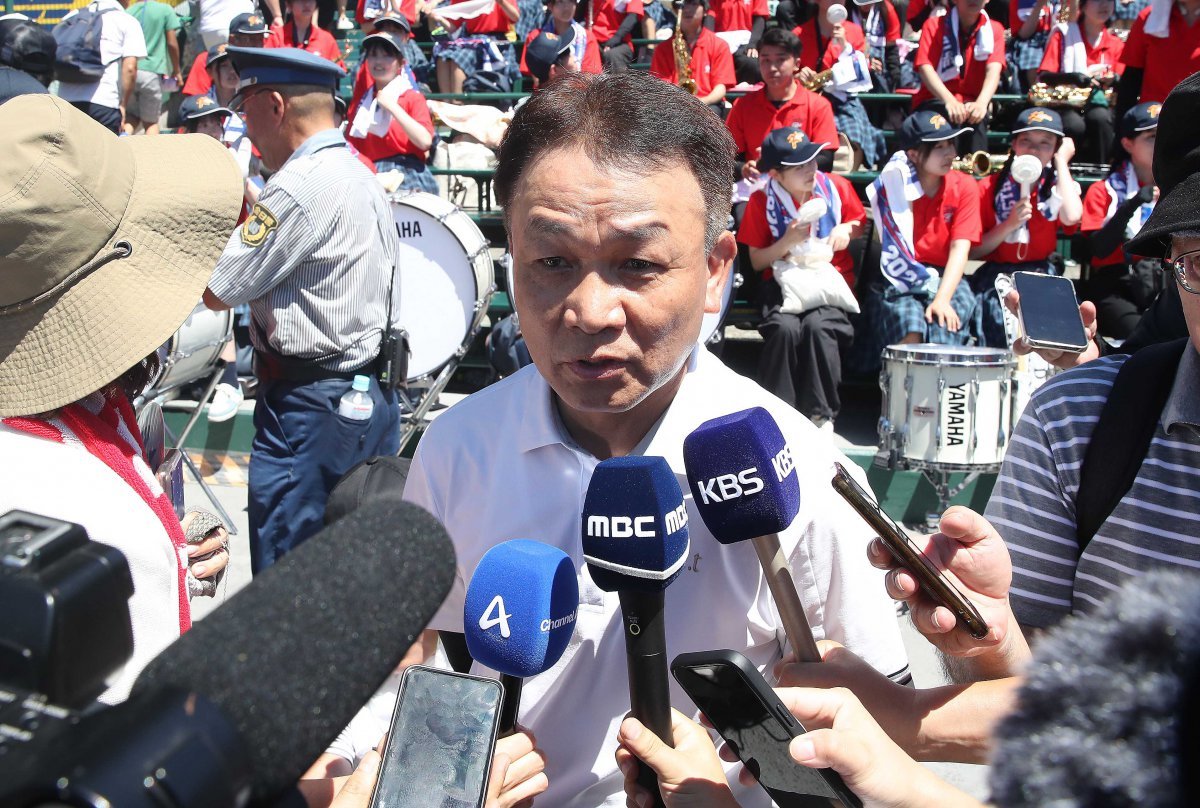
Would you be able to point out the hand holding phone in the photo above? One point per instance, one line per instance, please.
(933, 583)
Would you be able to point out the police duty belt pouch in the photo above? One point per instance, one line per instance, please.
(393, 358)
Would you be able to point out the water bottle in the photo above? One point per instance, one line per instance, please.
(356, 404)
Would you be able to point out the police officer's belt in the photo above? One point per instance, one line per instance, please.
(271, 368)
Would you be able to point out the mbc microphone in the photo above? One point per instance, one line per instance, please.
(635, 543)
(519, 614)
(743, 479)
(240, 706)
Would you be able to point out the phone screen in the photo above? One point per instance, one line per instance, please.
(439, 747)
(1050, 311)
(760, 737)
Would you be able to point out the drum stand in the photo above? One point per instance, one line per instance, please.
(939, 478)
(419, 406)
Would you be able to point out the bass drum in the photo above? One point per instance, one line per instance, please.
(192, 353)
(445, 278)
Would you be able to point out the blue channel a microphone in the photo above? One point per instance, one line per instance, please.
(635, 543)
(742, 473)
(519, 614)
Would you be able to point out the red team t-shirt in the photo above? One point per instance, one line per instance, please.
(952, 213)
(1164, 62)
(969, 83)
(494, 22)
(755, 232)
(737, 15)
(814, 45)
(1106, 52)
(395, 141)
(1095, 216)
(1043, 233)
(608, 15)
(319, 41)
(198, 81)
(407, 7)
(712, 63)
(753, 117)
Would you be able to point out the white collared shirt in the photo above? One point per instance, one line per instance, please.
(120, 36)
(500, 466)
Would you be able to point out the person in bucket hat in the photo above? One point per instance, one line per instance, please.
(104, 251)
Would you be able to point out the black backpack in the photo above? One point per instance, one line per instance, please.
(78, 57)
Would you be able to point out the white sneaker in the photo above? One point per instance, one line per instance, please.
(225, 403)
(344, 24)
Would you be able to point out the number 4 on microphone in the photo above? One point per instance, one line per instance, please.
(495, 615)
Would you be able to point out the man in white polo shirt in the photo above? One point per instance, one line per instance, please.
(121, 45)
(615, 190)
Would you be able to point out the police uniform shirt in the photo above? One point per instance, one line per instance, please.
(314, 259)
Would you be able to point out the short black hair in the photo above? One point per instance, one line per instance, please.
(630, 120)
(381, 44)
(782, 38)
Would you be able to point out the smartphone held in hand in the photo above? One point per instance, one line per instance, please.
(1049, 312)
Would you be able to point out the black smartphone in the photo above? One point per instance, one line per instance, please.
(439, 747)
(1050, 312)
(906, 553)
(745, 711)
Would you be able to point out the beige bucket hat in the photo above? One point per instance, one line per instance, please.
(106, 246)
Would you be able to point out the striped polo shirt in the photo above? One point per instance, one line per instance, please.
(1156, 524)
(314, 258)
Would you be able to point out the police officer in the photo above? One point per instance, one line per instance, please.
(314, 260)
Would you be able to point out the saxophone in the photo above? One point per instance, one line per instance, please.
(1064, 95)
(818, 81)
(979, 164)
(683, 57)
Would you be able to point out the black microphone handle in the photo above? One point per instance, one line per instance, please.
(511, 703)
(646, 660)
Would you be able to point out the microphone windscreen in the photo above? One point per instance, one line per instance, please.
(742, 475)
(520, 607)
(292, 657)
(635, 534)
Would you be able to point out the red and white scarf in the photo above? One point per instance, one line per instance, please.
(104, 425)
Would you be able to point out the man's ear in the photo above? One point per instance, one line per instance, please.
(720, 259)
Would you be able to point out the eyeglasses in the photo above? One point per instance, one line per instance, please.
(1187, 270)
(240, 104)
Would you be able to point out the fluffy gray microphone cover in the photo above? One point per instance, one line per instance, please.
(292, 657)
(1106, 716)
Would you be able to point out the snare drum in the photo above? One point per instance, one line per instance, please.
(945, 407)
(444, 281)
(192, 353)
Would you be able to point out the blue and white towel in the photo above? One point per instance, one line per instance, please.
(891, 197)
(1122, 183)
(950, 63)
(781, 208)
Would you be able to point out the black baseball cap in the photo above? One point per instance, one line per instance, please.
(1140, 118)
(248, 24)
(216, 53)
(1039, 118)
(786, 148)
(27, 46)
(545, 49)
(391, 40)
(200, 106)
(927, 126)
(394, 19)
(1176, 171)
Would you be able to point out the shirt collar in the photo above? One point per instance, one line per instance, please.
(1183, 405)
(542, 425)
(326, 138)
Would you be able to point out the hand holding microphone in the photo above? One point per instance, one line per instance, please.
(743, 479)
(635, 542)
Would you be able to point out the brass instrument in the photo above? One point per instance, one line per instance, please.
(818, 81)
(980, 164)
(1066, 11)
(683, 57)
(1064, 95)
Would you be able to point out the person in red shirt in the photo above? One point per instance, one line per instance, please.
(245, 31)
(803, 339)
(1085, 54)
(479, 43)
(880, 25)
(1020, 234)
(415, 64)
(1162, 50)
(560, 18)
(1030, 22)
(339, 119)
(613, 22)
(782, 101)
(741, 15)
(711, 63)
(823, 44)
(390, 122)
(959, 61)
(1122, 285)
(927, 216)
(367, 12)
(301, 31)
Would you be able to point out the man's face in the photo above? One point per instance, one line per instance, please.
(263, 111)
(611, 279)
(247, 40)
(777, 66)
(692, 17)
(1191, 302)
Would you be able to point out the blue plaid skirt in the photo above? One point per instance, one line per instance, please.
(1129, 11)
(851, 119)
(1026, 54)
(987, 326)
(903, 313)
(473, 53)
(416, 173)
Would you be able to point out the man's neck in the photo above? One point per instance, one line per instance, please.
(784, 94)
(930, 183)
(293, 137)
(967, 20)
(616, 434)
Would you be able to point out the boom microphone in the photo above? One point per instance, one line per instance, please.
(635, 543)
(240, 706)
(743, 479)
(519, 614)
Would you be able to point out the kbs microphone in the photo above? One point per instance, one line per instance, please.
(240, 706)
(743, 480)
(635, 543)
(519, 614)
